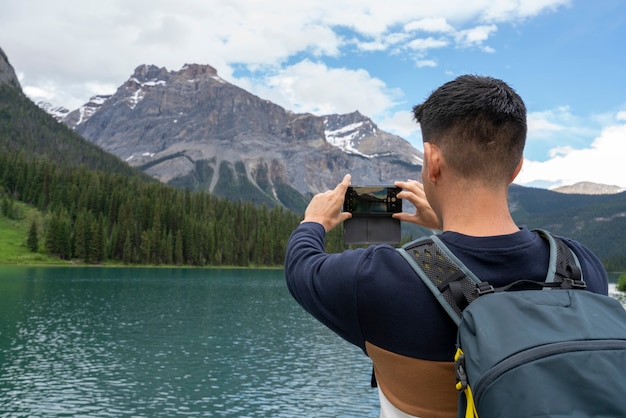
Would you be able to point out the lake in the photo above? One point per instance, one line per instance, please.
(162, 342)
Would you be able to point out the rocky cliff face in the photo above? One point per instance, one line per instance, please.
(7, 73)
(190, 128)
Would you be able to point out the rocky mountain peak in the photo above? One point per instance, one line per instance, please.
(195, 71)
(7, 73)
(149, 73)
(190, 128)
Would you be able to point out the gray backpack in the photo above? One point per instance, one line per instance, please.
(551, 349)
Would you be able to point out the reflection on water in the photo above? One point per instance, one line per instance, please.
(159, 342)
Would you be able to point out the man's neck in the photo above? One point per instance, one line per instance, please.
(477, 212)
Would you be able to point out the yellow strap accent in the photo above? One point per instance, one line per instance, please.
(470, 410)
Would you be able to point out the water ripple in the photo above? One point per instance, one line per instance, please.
(161, 345)
(168, 342)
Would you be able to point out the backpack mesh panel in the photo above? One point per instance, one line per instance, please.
(441, 271)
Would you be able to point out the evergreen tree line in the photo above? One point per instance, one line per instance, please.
(98, 216)
(25, 126)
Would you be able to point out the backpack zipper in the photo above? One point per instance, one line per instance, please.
(540, 352)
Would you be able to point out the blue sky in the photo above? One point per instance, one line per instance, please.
(564, 57)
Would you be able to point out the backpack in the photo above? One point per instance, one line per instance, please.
(529, 349)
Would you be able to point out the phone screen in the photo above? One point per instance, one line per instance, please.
(372, 200)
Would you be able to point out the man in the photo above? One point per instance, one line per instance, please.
(474, 131)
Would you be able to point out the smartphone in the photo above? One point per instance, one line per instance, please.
(372, 200)
(372, 208)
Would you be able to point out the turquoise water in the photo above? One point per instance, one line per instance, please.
(170, 342)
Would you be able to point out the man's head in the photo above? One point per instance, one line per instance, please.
(479, 124)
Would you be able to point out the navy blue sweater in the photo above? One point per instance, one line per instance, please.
(373, 295)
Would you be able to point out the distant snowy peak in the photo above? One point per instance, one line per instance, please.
(91, 107)
(57, 112)
(86, 111)
(144, 79)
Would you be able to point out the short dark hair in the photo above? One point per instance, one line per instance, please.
(480, 125)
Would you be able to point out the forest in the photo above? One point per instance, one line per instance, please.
(95, 208)
(95, 217)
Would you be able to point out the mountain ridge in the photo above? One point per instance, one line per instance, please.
(597, 221)
(588, 187)
(7, 72)
(191, 128)
(146, 77)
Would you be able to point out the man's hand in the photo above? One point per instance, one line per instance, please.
(325, 208)
(424, 215)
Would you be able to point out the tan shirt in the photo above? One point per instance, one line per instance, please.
(417, 387)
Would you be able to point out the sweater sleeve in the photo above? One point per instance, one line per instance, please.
(325, 285)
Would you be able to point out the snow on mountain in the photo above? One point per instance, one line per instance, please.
(142, 88)
(346, 137)
(57, 112)
(86, 111)
(356, 134)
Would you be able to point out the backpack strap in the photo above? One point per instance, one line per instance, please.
(564, 264)
(452, 283)
(455, 286)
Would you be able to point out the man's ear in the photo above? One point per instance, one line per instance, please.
(517, 170)
(432, 158)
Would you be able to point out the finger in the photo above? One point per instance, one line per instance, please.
(343, 186)
(404, 217)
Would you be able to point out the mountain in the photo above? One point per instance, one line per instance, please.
(29, 132)
(83, 113)
(191, 128)
(7, 73)
(321, 146)
(598, 221)
(587, 187)
(57, 112)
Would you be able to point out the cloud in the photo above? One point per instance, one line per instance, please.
(402, 124)
(517, 10)
(550, 128)
(62, 47)
(429, 24)
(569, 165)
(475, 36)
(421, 63)
(316, 88)
(427, 43)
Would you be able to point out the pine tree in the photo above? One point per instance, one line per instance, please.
(33, 240)
(127, 254)
(145, 247)
(178, 249)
